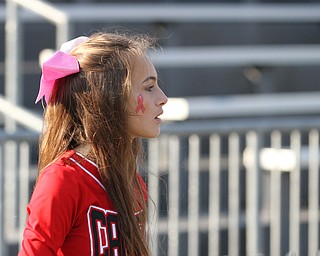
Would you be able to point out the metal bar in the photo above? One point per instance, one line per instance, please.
(20, 135)
(12, 59)
(275, 201)
(241, 56)
(3, 244)
(51, 14)
(174, 187)
(294, 207)
(234, 56)
(252, 196)
(313, 211)
(242, 105)
(20, 115)
(241, 125)
(193, 195)
(23, 181)
(214, 196)
(191, 12)
(44, 10)
(233, 197)
(10, 191)
(153, 190)
(62, 33)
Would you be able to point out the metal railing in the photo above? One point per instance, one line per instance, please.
(15, 146)
(211, 189)
(245, 189)
(13, 39)
(16, 178)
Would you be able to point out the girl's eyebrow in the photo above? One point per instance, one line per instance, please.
(149, 78)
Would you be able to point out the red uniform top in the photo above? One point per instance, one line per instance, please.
(70, 212)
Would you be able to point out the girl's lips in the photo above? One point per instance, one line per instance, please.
(157, 117)
(158, 120)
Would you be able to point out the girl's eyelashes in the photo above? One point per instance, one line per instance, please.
(149, 88)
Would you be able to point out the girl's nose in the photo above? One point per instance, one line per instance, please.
(163, 99)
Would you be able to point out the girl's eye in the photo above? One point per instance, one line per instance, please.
(149, 89)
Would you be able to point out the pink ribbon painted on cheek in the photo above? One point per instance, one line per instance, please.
(140, 105)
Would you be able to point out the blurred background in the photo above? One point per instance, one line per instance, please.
(236, 169)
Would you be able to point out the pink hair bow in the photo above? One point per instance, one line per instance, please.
(60, 64)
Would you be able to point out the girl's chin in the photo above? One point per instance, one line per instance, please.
(152, 135)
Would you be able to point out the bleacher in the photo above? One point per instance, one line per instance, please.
(227, 40)
(228, 60)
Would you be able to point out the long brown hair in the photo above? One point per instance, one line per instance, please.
(90, 107)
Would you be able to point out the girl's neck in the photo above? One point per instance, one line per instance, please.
(85, 150)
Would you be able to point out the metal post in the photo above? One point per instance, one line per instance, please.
(313, 210)
(214, 195)
(12, 92)
(252, 197)
(294, 211)
(275, 201)
(12, 59)
(50, 13)
(193, 195)
(173, 214)
(234, 200)
(153, 187)
(3, 247)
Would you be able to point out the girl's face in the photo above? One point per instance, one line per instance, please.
(146, 100)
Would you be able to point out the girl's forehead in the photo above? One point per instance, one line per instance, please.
(143, 68)
(142, 62)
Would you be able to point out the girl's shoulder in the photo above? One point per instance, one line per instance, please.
(60, 167)
(68, 164)
(59, 176)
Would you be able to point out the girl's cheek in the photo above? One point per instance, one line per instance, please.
(140, 105)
